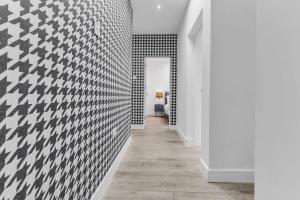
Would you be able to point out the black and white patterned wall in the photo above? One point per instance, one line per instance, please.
(153, 45)
(62, 92)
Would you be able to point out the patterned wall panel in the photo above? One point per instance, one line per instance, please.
(62, 92)
(153, 45)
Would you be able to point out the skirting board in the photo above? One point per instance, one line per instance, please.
(226, 176)
(137, 126)
(185, 140)
(172, 127)
(102, 188)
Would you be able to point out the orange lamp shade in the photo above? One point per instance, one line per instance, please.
(159, 94)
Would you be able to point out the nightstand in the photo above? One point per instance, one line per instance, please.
(159, 110)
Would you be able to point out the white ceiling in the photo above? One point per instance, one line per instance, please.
(148, 19)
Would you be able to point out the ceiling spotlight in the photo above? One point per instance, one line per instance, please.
(159, 7)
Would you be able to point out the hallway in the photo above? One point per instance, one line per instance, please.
(158, 166)
(77, 79)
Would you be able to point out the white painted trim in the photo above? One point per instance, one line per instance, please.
(197, 25)
(100, 191)
(232, 176)
(204, 168)
(184, 139)
(226, 175)
(172, 127)
(137, 126)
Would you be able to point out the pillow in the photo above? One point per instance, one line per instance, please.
(168, 99)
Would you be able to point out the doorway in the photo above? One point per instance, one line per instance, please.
(157, 87)
(195, 106)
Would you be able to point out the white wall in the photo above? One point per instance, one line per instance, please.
(157, 79)
(193, 74)
(277, 160)
(228, 99)
(232, 105)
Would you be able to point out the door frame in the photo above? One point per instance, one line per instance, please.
(145, 85)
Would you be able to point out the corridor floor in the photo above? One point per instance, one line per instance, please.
(158, 166)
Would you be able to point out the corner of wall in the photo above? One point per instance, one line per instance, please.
(225, 175)
(186, 140)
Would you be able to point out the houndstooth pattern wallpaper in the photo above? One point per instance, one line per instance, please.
(153, 45)
(62, 92)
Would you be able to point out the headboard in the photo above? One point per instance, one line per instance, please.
(166, 94)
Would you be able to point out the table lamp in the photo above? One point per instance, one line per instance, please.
(159, 94)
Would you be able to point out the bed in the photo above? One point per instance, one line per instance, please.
(167, 104)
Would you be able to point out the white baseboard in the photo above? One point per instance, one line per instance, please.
(232, 176)
(172, 127)
(204, 168)
(137, 126)
(102, 188)
(185, 140)
(225, 175)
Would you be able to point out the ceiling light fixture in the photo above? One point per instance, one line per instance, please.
(159, 7)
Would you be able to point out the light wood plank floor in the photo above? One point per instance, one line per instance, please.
(158, 166)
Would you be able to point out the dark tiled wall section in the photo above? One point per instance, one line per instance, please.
(62, 92)
(152, 45)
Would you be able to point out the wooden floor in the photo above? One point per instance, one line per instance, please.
(158, 166)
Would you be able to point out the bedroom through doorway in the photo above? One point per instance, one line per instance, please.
(157, 87)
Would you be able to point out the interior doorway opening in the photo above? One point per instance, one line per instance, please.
(196, 108)
(157, 87)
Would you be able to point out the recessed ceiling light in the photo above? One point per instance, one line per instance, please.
(159, 7)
